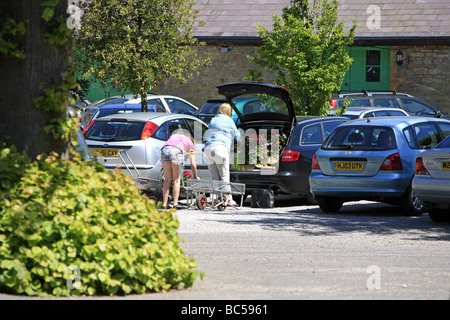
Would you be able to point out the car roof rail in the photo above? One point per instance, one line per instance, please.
(373, 93)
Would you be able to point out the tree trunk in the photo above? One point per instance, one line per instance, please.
(22, 80)
(144, 101)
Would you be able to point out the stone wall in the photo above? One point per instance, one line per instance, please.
(226, 67)
(425, 73)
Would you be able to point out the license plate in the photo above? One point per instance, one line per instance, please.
(445, 165)
(105, 153)
(354, 166)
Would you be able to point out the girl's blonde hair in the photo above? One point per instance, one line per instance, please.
(184, 132)
(225, 109)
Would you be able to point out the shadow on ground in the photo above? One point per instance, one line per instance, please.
(359, 217)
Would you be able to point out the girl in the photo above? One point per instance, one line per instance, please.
(171, 157)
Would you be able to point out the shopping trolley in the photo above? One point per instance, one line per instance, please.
(196, 190)
(219, 191)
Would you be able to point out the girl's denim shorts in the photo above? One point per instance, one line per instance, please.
(171, 154)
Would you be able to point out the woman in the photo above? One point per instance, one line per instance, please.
(220, 134)
(179, 143)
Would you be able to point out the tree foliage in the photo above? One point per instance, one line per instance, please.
(135, 44)
(306, 49)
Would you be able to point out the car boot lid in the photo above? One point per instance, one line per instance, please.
(235, 90)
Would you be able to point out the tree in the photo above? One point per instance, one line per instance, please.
(135, 44)
(34, 46)
(306, 49)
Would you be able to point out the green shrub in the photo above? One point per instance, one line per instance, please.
(69, 228)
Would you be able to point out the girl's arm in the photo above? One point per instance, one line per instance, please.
(194, 166)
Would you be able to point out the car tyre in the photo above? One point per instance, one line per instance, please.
(439, 215)
(410, 204)
(330, 204)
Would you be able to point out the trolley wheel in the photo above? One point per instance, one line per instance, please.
(223, 205)
(201, 202)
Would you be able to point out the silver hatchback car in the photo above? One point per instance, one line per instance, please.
(431, 182)
(133, 142)
(362, 112)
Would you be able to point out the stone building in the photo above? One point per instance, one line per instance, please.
(417, 30)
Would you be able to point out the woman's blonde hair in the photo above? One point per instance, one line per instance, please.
(225, 109)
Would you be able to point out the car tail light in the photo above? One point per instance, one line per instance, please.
(420, 168)
(315, 163)
(149, 129)
(333, 103)
(87, 128)
(393, 162)
(290, 155)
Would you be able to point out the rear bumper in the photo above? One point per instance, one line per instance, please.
(281, 182)
(432, 190)
(389, 185)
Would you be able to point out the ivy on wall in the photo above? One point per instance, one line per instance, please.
(10, 33)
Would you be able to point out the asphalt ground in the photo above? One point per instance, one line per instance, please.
(367, 251)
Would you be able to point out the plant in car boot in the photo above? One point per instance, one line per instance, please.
(69, 228)
(255, 148)
(259, 150)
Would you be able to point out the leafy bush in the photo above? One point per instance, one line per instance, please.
(69, 228)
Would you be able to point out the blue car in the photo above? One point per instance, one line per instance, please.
(374, 159)
(109, 109)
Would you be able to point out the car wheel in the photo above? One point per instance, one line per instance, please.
(330, 204)
(411, 205)
(439, 215)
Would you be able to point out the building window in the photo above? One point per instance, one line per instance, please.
(373, 59)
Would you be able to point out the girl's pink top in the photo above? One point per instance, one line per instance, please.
(181, 142)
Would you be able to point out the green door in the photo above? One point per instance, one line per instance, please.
(369, 70)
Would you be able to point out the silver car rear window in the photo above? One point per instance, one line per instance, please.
(115, 131)
(369, 138)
